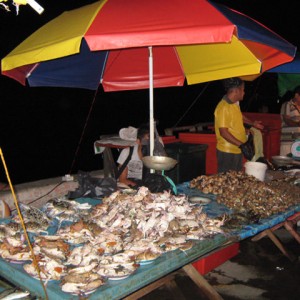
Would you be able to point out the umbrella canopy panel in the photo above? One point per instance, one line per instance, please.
(200, 31)
(194, 40)
(292, 67)
(142, 23)
(155, 23)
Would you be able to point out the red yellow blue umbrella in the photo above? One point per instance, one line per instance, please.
(134, 44)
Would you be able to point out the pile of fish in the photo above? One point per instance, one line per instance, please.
(108, 241)
(245, 194)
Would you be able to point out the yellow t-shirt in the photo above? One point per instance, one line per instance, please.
(228, 115)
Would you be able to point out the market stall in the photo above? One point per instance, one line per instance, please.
(114, 288)
(163, 266)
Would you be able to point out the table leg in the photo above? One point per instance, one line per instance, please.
(109, 165)
(289, 226)
(201, 282)
(106, 163)
(174, 290)
(150, 287)
(170, 283)
(276, 241)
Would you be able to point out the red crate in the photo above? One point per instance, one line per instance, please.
(216, 258)
(169, 139)
(270, 134)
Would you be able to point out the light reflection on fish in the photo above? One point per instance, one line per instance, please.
(13, 293)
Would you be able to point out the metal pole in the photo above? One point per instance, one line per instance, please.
(151, 104)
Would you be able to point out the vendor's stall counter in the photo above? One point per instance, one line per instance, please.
(144, 275)
(155, 273)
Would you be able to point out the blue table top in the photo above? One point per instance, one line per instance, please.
(146, 274)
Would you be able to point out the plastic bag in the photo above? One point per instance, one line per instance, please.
(92, 187)
(247, 148)
(157, 183)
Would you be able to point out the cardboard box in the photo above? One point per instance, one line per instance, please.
(216, 258)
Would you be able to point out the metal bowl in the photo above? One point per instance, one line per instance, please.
(281, 160)
(159, 163)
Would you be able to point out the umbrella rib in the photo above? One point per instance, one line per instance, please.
(31, 70)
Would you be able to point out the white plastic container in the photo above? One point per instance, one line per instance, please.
(256, 169)
(295, 149)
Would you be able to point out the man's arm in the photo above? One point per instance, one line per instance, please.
(224, 132)
(289, 121)
(123, 177)
(255, 124)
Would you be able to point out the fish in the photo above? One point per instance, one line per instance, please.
(13, 293)
(34, 214)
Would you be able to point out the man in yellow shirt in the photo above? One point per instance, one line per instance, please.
(229, 126)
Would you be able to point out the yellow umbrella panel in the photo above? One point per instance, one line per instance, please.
(203, 63)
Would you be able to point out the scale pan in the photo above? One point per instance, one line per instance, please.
(159, 163)
(281, 160)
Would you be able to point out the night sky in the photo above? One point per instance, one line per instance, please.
(41, 127)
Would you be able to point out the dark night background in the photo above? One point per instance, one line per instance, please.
(41, 127)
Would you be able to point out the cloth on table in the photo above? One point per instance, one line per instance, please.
(111, 140)
(258, 143)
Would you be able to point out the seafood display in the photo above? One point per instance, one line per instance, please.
(66, 210)
(16, 254)
(118, 266)
(108, 241)
(50, 269)
(33, 214)
(245, 194)
(81, 284)
(12, 247)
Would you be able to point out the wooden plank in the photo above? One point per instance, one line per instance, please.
(279, 245)
(289, 226)
(175, 290)
(265, 233)
(150, 287)
(202, 283)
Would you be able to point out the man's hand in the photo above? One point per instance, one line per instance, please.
(258, 125)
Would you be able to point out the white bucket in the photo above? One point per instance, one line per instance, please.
(256, 169)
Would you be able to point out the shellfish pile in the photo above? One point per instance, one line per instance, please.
(244, 193)
(110, 241)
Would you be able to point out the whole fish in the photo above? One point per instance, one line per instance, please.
(34, 214)
(13, 293)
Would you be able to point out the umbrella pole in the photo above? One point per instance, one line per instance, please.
(151, 101)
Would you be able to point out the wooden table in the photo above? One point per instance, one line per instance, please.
(161, 271)
(145, 279)
(109, 142)
(104, 147)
